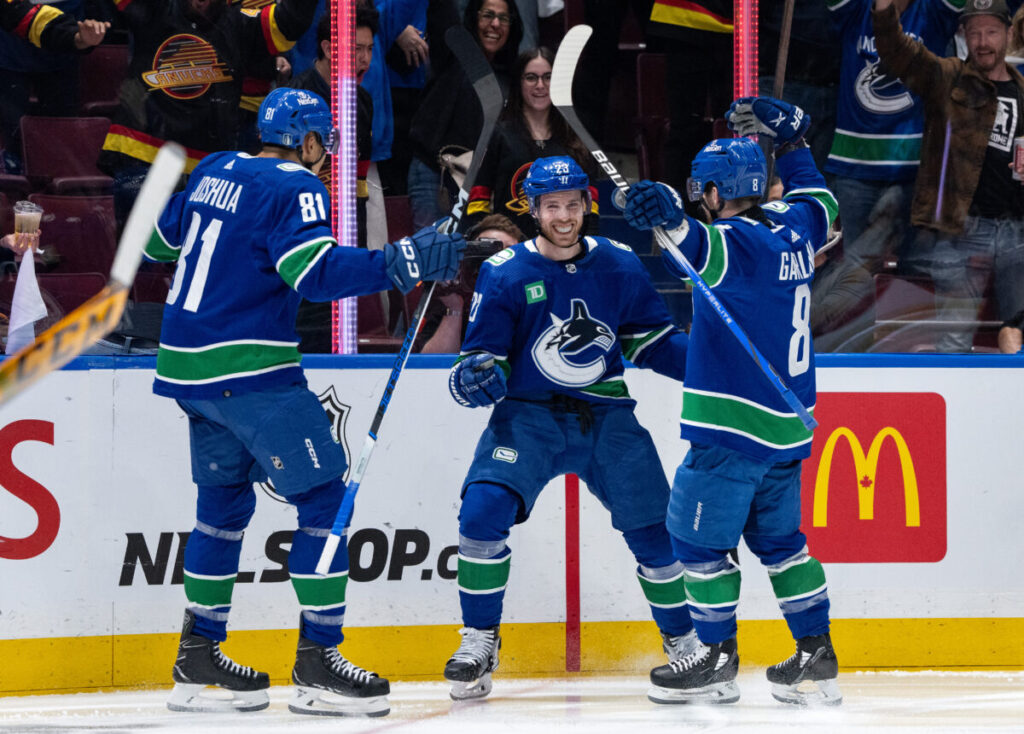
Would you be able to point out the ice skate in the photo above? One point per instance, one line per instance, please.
(201, 664)
(678, 647)
(469, 669)
(326, 684)
(706, 675)
(809, 676)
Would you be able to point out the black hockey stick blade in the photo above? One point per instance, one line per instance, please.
(476, 67)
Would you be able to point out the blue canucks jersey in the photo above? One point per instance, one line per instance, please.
(251, 237)
(761, 271)
(564, 327)
(878, 121)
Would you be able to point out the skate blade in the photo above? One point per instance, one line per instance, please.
(196, 697)
(467, 690)
(317, 702)
(716, 693)
(809, 693)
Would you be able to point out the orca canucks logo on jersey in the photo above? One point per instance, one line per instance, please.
(571, 337)
(880, 92)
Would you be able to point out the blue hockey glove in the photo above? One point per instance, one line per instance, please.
(426, 255)
(477, 381)
(650, 204)
(768, 116)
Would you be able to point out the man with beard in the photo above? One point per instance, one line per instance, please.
(551, 322)
(251, 236)
(965, 194)
(184, 81)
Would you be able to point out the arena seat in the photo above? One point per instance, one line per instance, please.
(100, 74)
(81, 229)
(60, 153)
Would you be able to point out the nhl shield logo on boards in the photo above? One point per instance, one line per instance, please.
(337, 413)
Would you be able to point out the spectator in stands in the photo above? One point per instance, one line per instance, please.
(314, 319)
(1010, 335)
(529, 128)
(194, 103)
(444, 326)
(965, 193)
(411, 41)
(40, 57)
(879, 121)
(449, 114)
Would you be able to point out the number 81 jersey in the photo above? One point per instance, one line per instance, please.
(251, 237)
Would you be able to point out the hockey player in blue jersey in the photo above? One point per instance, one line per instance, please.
(550, 323)
(251, 236)
(741, 476)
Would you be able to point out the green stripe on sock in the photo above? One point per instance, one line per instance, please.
(320, 591)
(666, 593)
(206, 592)
(723, 588)
(799, 580)
(483, 576)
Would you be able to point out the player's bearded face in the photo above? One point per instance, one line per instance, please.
(560, 217)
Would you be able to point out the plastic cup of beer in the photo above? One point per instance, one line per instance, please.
(27, 215)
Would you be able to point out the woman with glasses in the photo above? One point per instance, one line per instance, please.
(449, 114)
(529, 128)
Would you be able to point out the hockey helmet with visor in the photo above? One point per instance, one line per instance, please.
(735, 165)
(557, 173)
(286, 115)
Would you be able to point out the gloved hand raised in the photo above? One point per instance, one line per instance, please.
(477, 381)
(425, 255)
(651, 204)
(768, 116)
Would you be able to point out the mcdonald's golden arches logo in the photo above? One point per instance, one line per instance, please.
(886, 504)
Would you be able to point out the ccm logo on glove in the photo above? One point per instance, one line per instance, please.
(409, 252)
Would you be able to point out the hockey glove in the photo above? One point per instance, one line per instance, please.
(780, 120)
(477, 381)
(425, 255)
(650, 204)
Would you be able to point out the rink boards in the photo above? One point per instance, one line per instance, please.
(912, 499)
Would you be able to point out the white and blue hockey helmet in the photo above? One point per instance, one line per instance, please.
(286, 115)
(557, 173)
(735, 165)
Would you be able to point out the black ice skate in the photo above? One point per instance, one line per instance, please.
(706, 675)
(678, 647)
(201, 664)
(469, 669)
(809, 676)
(326, 684)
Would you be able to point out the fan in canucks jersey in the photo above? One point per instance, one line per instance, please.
(741, 476)
(550, 323)
(251, 237)
(877, 145)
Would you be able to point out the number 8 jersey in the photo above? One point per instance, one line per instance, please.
(760, 266)
(251, 237)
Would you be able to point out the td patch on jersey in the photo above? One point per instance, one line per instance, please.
(571, 352)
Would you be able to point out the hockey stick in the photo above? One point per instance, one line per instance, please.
(98, 316)
(561, 96)
(781, 60)
(488, 91)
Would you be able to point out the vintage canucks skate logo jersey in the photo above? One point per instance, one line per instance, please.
(185, 66)
(571, 352)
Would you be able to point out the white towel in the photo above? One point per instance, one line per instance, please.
(27, 306)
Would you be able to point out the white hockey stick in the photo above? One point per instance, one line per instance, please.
(98, 316)
(561, 96)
